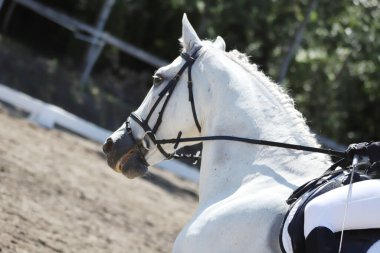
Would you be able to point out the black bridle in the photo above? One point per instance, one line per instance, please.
(167, 93)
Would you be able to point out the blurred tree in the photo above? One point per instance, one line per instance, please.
(335, 77)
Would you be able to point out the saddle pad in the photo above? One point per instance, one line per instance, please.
(292, 238)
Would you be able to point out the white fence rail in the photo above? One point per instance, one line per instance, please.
(49, 116)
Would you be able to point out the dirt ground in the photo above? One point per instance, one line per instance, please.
(58, 195)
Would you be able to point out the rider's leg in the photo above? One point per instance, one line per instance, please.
(326, 212)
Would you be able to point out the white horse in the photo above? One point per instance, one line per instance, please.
(242, 187)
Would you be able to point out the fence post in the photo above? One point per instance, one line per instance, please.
(97, 43)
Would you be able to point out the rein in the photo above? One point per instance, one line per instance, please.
(168, 91)
(331, 152)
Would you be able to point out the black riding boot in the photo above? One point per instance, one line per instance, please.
(321, 240)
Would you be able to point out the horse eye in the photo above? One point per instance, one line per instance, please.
(157, 79)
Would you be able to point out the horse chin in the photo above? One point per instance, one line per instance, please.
(131, 165)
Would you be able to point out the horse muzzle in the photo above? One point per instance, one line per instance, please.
(125, 155)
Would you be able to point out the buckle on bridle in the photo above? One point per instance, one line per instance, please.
(187, 57)
(128, 126)
(178, 140)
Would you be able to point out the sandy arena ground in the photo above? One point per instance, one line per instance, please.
(58, 195)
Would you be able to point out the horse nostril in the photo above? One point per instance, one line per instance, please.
(107, 146)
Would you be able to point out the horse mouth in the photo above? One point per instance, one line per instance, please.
(124, 160)
(131, 165)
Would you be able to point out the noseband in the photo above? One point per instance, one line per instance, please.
(167, 93)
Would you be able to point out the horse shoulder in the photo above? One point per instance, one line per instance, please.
(239, 223)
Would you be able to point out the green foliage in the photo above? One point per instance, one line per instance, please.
(335, 76)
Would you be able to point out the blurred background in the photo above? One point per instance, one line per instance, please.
(95, 58)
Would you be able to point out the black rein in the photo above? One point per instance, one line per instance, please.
(331, 152)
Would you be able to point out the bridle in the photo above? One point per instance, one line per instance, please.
(167, 93)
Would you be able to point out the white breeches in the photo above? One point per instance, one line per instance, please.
(328, 209)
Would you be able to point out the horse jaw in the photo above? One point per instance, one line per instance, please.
(189, 37)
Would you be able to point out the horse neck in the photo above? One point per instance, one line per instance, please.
(245, 106)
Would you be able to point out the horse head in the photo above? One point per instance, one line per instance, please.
(169, 110)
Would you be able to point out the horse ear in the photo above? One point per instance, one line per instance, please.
(189, 36)
(219, 43)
